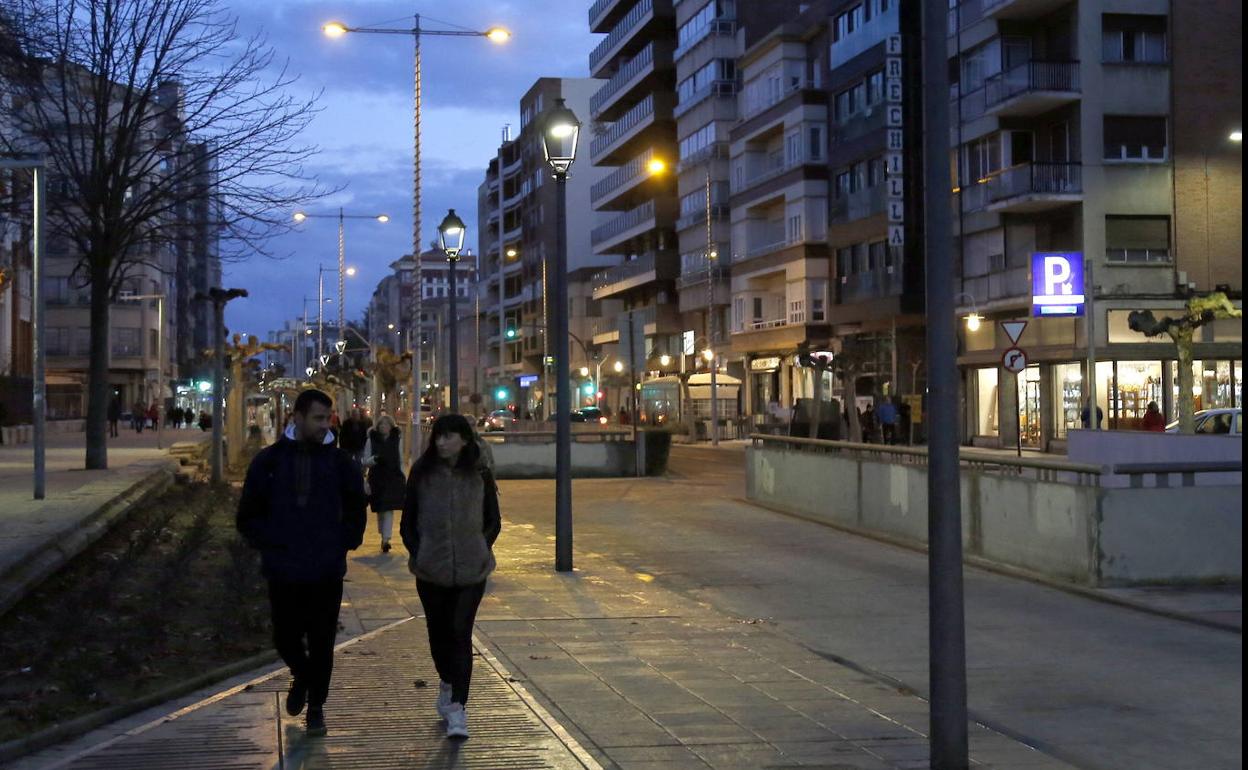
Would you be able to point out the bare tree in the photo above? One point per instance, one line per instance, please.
(141, 109)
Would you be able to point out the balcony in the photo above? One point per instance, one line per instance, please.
(772, 168)
(719, 212)
(860, 204)
(1034, 187)
(794, 85)
(877, 283)
(722, 89)
(1013, 283)
(619, 34)
(621, 180)
(647, 268)
(622, 227)
(968, 12)
(605, 13)
(713, 151)
(867, 122)
(1032, 88)
(655, 107)
(722, 27)
(638, 68)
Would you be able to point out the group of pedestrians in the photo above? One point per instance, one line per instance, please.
(148, 416)
(303, 506)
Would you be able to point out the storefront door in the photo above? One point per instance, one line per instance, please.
(1029, 422)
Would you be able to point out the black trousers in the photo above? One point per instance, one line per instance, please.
(449, 615)
(307, 612)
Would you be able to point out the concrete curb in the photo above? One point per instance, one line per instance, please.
(59, 733)
(1014, 572)
(63, 546)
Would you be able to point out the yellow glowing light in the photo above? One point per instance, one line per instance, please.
(562, 130)
(498, 34)
(656, 166)
(334, 29)
(619, 366)
(664, 360)
(972, 322)
(350, 271)
(511, 253)
(383, 218)
(300, 216)
(1237, 136)
(584, 371)
(708, 354)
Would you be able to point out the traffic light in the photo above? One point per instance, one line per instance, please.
(501, 394)
(511, 332)
(588, 388)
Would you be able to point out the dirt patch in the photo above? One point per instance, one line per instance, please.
(171, 592)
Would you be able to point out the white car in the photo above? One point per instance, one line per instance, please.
(1226, 422)
(500, 419)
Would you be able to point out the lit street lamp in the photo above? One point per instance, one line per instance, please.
(451, 237)
(560, 131)
(343, 270)
(336, 29)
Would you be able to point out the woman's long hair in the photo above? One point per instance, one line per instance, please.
(469, 456)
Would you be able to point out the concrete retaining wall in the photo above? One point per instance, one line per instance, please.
(534, 460)
(1080, 534)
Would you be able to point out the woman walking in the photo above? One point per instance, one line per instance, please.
(385, 475)
(450, 523)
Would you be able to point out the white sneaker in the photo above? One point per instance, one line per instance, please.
(444, 698)
(456, 721)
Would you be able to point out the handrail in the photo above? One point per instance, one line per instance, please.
(619, 32)
(978, 459)
(629, 120)
(1187, 471)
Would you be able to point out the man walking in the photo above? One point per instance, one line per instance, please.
(302, 507)
(887, 415)
(354, 433)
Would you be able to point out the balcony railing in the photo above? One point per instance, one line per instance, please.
(597, 8)
(794, 85)
(724, 26)
(627, 122)
(859, 205)
(964, 14)
(626, 221)
(643, 59)
(876, 283)
(770, 170)
(621, 176)
(1031, 76)
(620, 32)
(634, 267)
(719, 211)
(713, 151)
(693, 277)
(1035, 179)
(716, 88)
(859, 124)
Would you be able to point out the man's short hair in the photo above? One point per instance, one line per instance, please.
(307, 398)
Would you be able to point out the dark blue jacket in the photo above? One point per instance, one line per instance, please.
(303, 540)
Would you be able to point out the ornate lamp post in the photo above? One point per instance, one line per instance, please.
(451, 238)
(559, 135)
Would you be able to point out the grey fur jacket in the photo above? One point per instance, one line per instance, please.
(450, 522)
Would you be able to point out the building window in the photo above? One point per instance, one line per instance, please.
(986, 392)
(1135, 138)
(57, 339)
(844, 261)
(842, 184)
(1139, 240)
(1133, 38)
(818, 293)
(875, 87)
(875, 172)
(795, 228)
(815, 142)
(698, 140)
(848, 23)
(127, 341)
(875, 254)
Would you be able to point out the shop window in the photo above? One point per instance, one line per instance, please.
(1067, 397)
(1138, 384)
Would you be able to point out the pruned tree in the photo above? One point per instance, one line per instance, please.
(1182, 330)
(149, 113)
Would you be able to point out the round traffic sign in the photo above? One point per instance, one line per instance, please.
(1014, 360)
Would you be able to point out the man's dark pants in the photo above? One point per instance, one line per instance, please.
(307, 611)
(449, 615)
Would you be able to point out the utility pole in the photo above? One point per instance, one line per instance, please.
(218, 297)
(946, 622)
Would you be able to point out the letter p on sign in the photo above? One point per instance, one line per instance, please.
(1057, 275)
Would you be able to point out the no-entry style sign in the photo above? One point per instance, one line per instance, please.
(1014, 360)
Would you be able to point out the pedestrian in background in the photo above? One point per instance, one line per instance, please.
(382, 456)
(450, 522)
(1153, 420)
(353, 434)
(114, 416)
(887, 415)
(868, 425)
(303, 508)
(137, 415)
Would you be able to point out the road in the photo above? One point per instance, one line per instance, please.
(1100, 686)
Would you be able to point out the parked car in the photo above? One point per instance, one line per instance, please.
(1226, 422)
(594, 414)
(575, 415)
(500, 419)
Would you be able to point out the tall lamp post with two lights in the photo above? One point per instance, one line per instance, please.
(559, 134)
(343, 270)
(336, 29)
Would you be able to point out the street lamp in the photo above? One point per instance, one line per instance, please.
(160, 359)
(343, 270)
(39, 174)
(451, 237)
(559, 135)
(336, 29)
(219, 297)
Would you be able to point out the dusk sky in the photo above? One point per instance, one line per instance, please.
(471, 88)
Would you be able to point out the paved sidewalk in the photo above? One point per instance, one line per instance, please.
(37, 536)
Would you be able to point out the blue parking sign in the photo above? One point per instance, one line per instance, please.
(1057, 283)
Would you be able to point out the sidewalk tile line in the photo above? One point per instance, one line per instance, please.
(281, 668)
(542, 714)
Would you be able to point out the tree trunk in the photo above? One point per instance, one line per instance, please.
(1187, 420)
(98, 395)
(851, 406)
(817, 390)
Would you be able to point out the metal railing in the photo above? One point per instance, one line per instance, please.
(1036, 179)
(770, 171)
(716, 87)
(1040, 468)
(627, 122)
(621, 30)
(634, 267)
(584, 433)
(1031, 76)
(624, 222)
(702, 274)
(794, 84)
(643, 59)
(621, 176)
(719, 211)
(724, 26)
(713, 151)
(1161, 472)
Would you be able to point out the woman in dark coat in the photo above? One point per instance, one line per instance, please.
(385, 476)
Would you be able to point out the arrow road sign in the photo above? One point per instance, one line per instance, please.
(1014, 360)
(1014, 330)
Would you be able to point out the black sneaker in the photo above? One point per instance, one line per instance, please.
(316, 722)
(296, 697)
(385, 546)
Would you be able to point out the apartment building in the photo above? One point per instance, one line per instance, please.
(1100, 128)
(779, 189)
(516, 210)
(633, 137)
(434, 314)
